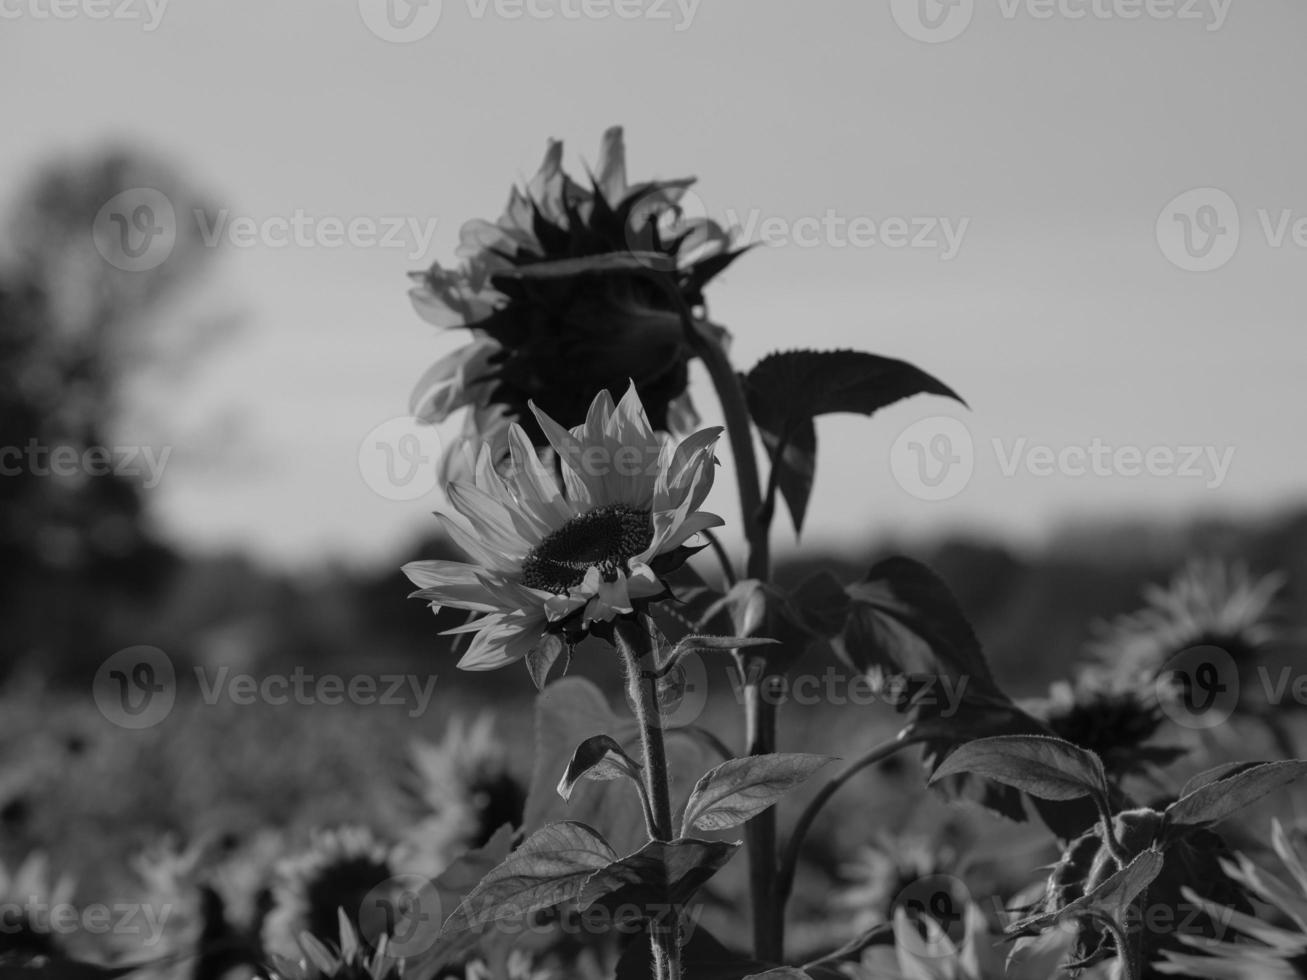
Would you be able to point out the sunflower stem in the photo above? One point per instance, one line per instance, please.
(790, 859)
(634, 639)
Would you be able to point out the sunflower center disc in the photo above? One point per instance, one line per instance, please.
(606, 537)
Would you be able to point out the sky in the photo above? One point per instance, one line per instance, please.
(1083, 215)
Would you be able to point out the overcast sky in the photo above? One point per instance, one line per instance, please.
(992, 192)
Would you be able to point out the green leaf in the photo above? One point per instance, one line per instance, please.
(729, 794)
(599, 757)
(659, 875)
(787, 390)
(1043, 767)
(550, 867)
(1219, 794)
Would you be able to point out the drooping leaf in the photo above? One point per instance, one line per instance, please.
(599, 757)
(541, 658)
(660, 875)
(1217, 798)
(733, 792)
(1042, 767)
(550, 867)
(788, 389)
(1111, 898)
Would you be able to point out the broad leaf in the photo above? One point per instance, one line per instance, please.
(1215, 774)
(787, 390)
(735, 791)
(599, 757)
(541, 658)
(1215, 799)
(659, 875)
(1043, 767)
(550, 867)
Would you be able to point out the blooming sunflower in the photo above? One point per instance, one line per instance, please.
(466, 789)
(1207, 603)
(339, 871)
(1267, 946)
(551, 558)
(559, 341)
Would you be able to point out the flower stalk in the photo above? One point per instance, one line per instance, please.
(634, 640)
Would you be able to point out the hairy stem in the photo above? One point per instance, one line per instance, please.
(635, 642)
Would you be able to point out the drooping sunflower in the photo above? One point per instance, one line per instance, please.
(557, 342)
(551, 558)
(1269, 946)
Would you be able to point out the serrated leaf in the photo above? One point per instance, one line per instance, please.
(733, 792)
(1215, 774)
(788, 389)
(550, 867)
(659, 875)
(1043, 767)
(1225, 793)
(599, 757)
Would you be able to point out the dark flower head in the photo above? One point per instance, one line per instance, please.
(558, 342)
(1112, 721)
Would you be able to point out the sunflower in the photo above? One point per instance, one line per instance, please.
(339, 871)
(1268, 946)
(551, 559)
(1207, 603)
(1114, 721)
(560, 341)
(881, 876)
(466, 790)
(28, 897)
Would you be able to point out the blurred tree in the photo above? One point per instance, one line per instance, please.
(78, 319)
